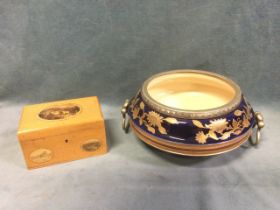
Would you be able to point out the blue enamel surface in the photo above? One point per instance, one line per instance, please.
(185, 131)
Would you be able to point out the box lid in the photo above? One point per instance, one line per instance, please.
(55, 118)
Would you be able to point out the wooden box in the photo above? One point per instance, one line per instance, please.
(61, 131)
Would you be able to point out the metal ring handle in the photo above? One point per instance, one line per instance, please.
(125, 124)
(260, 125)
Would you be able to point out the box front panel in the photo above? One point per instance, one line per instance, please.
(65, 147)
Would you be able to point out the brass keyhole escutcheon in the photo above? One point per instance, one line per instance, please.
(91, 145)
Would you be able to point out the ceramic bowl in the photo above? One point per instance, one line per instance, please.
(191, 113)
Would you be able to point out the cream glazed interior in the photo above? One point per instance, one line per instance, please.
(191, 91)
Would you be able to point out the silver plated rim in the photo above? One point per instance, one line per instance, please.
(191, 114)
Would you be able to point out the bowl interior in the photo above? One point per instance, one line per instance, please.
(191, 91)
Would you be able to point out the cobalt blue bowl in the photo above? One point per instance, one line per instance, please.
(192, 113)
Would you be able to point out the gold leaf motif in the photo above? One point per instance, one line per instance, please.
(154, 119)
(197, 123)
(218, 129)
(135, 112)
(226, 135)
(237, 132)
(223, 127)
(142, 105)
(162, 130)
(133, 102)
(200, 137)
(141, 121)
(151, 129)
(171, 120)
(246, 123)
(218, 125)
(213, 135)
(229, 127)
(235, 124)
(238, 113)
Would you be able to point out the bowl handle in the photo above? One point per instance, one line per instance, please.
(260, 125)
(125, 124)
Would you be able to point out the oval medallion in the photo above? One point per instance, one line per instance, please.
(59, 112)
(91, 145)
(41, 155)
